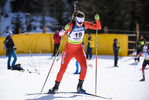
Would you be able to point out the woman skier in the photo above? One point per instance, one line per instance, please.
(145, 52)
(73, 47)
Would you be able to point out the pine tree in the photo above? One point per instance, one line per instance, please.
(17, 24)
(59, 11)
(2, 4)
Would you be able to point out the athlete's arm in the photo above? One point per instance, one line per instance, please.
(69, 27)
(92, 26)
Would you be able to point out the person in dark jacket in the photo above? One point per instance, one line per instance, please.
(10, 50)
(57, 39)
(115, 51)
(140, 43)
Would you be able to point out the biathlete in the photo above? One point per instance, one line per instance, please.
(73, 47)
(145, 52)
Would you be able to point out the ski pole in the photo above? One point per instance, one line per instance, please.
(52, 64)
(96, 65)
(30, 65)
(32, 60)
(39, 60)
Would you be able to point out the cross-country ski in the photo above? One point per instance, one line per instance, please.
(75, 93)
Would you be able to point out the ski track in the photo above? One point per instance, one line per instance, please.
(118, 83)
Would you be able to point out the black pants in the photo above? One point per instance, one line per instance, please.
(56, 46)
(115, 59)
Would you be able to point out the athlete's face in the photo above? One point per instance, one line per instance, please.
(145, 50)
(79, 24)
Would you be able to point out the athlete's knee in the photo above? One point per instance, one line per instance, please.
(62, 71)
(84, 69)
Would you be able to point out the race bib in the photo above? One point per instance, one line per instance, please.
(76, 36)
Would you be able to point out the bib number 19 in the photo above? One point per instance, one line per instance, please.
(78, 34)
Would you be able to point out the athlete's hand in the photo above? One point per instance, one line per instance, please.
(97, 17)
(61, 33)
(67, 27)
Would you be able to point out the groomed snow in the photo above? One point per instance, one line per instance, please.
(119, 83)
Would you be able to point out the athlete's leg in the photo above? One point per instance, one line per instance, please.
(66, 57)
(80, 57)
(143, 67)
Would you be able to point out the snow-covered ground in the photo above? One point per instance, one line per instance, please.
(119, 83)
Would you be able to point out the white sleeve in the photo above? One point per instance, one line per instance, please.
(61, 33)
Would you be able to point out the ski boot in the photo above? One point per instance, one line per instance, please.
(55, 88)
(79, 87)
(143, 79)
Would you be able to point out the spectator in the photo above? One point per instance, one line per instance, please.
(115, 51)
(90, 46)
(10, 50)
(56, 38)
(140, 44)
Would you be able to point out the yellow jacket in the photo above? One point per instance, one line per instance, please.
(91, 41)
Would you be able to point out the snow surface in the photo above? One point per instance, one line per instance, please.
(118, 83)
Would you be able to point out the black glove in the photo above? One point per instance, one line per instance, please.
(14, 48)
